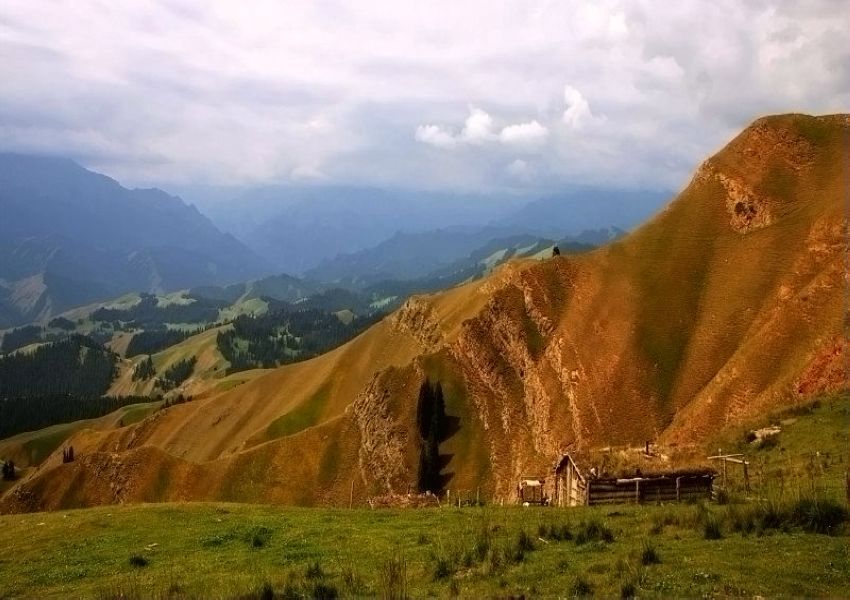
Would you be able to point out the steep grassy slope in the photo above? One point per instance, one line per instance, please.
(729, 303)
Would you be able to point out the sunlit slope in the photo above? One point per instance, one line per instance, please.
(31, 448)
(209, 369)
(727, 304)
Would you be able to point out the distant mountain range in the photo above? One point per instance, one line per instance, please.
(70, 236)
(309, 230)
(443, 252)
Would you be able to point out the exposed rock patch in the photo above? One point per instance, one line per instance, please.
(747, 210)
(763, 142)
(417, 319)
(383, 439)
(826, 372)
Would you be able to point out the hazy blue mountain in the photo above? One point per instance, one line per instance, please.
(442, 252)
(282, 287)
(69, 236)
(405, 255)
(297, 227)
(579, 209)
(302, 228)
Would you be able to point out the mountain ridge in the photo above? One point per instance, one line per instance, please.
(85, 230)
(726, 304)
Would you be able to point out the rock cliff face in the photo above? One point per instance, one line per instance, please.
(729, 303)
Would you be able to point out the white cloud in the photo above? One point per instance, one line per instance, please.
(524, 134)
(171, 90)
(478, 127)
(478, 130)
(435, 135)
(577, 113)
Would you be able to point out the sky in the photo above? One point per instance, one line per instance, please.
(526, 95)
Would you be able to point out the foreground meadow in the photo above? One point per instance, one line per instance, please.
(232, 550)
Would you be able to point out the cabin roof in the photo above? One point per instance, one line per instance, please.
(627, 463)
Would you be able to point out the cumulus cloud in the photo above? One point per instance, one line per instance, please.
(435, 135)
(530, 133)
(478, 129)
(577, 113)
(366, 92)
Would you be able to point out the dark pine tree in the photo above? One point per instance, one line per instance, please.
(431, 420)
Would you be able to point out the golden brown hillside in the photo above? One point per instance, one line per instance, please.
(728, 303)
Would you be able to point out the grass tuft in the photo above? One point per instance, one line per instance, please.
(628, 590)
(593, 530)
(393, 576)
(711, 529)
(137, 560)
(314, 571)
(581, 588)
(649, 554)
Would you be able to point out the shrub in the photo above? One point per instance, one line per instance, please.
(495, 560)
(353, 582)
(483, 542)
(768, 442)
(314, 571)
(593, 530)
(394, 579)
(138, 560)
(266, 592)
(711, 529)
(524, 541)
(442, 567)
(554, 531)
(581, 587)
(324, 591)
(817, 515)
(258, 536)
(811, 514)
(649, 555)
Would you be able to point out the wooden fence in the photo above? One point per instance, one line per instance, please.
(650, 489)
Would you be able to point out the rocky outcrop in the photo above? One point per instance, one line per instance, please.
(417, 319)
(382, 439)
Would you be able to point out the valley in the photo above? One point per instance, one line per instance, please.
(653, 336)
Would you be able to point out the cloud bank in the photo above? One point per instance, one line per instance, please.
(522, 94)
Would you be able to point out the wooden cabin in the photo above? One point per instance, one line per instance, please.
(570, 487)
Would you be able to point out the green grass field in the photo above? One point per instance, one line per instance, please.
(780, 540)
(232, 550)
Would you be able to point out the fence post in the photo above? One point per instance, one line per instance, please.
(678, 486)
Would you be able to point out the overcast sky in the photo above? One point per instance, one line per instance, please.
(467, 95)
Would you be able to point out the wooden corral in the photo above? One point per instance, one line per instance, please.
(670, 487)
(571, 487)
